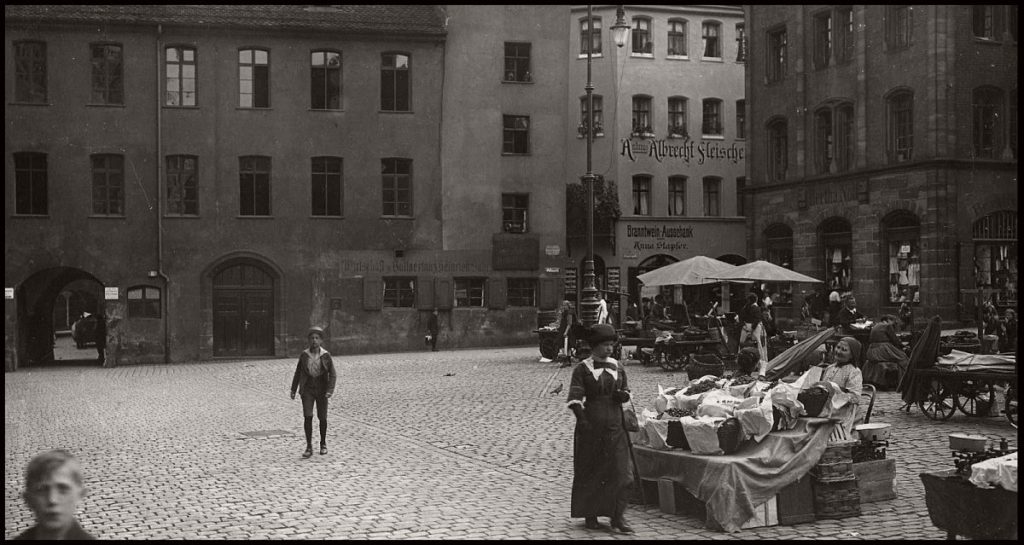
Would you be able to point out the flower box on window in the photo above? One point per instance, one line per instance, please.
(677, 131)
(582, 130)
(643, 132)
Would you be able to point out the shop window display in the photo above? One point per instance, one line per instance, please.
(904, 271)
(837, 270)
(995, 255)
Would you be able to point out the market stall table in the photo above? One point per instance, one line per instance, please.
(733, 486)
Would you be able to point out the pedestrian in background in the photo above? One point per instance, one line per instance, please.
(602, 470)
(314, 379)
(433, 329)
(53, 490)
(884, 361)
(566, 321)
(906, 314)
(602, 309)
(101, 337)
(835, 304)
(753, 326)
(1008, 342)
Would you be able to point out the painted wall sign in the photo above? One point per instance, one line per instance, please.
(8, 293)
(656, 237)
(110, 294)
(688, 150)
(384, 266)
(551, 270)
(515, 253)
(613, 278)
(552, 249)
(570, 280)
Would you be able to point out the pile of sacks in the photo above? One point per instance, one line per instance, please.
(758, 407)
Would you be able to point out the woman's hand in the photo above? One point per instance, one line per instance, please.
(620, 396)
(293, 395)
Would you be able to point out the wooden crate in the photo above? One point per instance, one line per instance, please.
(876, 480)
(796, 502)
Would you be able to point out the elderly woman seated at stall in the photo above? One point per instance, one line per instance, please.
(847, 376)
(885, 362)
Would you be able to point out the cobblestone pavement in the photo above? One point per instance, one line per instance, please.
(444, 445)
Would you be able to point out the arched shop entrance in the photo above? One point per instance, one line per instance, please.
(49, 302)
(243, 309)
(651, 263)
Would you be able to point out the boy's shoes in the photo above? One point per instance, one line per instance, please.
(323, 449)
(308, 452)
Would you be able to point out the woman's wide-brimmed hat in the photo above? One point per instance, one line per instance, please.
(317, 330)
(600, 333)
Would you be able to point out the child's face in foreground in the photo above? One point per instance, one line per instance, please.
(54, 500)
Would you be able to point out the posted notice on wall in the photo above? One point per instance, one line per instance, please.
(110, 294)
(8, 293)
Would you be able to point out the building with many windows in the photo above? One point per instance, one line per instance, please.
(216, 179)
(884, 152)
(670, 132)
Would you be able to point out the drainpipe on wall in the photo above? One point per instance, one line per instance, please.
(159, 200)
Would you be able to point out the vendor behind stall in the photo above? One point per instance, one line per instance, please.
(849, 314)
(885, 362)
(847, 376)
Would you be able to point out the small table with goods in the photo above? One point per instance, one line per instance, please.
(978, 498)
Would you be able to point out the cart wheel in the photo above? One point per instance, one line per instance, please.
(549, 347)
(1011, 406)
(938, 402)
(975, 399)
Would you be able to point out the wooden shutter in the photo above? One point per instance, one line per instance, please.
(443, 293)
(373, 293)
(548, 296)
(425, 292)
(498, 295)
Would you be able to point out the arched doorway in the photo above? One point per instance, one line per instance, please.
(243, 310)
(651, 263)
(49, 303)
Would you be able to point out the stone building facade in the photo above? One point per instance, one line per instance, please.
(883, 153)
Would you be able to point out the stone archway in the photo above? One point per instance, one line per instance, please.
(36, 298)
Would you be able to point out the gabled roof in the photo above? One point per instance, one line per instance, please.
(428, 20)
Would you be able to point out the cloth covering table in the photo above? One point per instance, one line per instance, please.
(732, 486)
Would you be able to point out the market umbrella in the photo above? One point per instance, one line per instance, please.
(791, 358)
(688, 272)
(763, 271)
(922, 356)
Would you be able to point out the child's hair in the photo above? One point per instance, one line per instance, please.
(747, 360)
(45, 463)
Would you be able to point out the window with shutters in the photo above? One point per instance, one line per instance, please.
(469, 292)
(399, 291)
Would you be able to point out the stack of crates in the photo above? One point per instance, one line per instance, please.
(835, 484)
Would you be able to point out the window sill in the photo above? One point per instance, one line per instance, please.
(30, 103)
(105, 105)
(636, 55)
(173, 107)
(508, 154)
(325, 217)
(394, 111)
(268, 108)
(677, 136)
(584, 56)
(30, 216)
(182, 216)
(518, 82)
(102, 217)
(596, 135)
(642, 134)
(677, 57)
(711, 59)
(243, 217)
(326, 110)
(712, 137)
(402, 309)
(383, 217)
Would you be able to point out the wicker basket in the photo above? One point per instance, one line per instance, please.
(836, 499)
(837, 452)
(838, 471)
(814, 400)
(730, 435)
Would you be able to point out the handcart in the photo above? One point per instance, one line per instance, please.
(968, 384)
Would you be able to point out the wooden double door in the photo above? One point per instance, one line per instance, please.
(243, 312)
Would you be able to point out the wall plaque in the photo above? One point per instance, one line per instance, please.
(110, 294)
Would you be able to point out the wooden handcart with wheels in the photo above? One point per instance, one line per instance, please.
(973, 392)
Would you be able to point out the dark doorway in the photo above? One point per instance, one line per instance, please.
(243, 311)
(49, 303)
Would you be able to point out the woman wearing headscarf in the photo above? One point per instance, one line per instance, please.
(602, 471)
(835, 304)
(884, 360)
(847, 376)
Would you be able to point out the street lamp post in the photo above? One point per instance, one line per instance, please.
(589, 302)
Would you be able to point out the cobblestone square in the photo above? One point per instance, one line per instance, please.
(466, 444)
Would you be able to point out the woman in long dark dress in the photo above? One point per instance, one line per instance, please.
(602, 472)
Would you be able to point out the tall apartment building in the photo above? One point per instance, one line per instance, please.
(670, 131)
(883, 154)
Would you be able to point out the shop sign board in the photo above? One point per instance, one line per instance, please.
(685, 150)
(110, 294)
(8, 293)
(552, 249)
